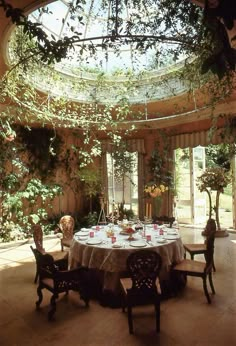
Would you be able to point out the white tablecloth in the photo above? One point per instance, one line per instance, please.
(113, 260)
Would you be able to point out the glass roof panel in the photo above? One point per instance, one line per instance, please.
(93, 21)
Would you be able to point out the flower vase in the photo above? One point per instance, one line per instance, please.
(156, 206)
(130, 237)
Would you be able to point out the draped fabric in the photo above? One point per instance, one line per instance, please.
(194, 139)
(133, 145)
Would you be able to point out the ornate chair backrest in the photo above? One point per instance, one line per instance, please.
(38, 237)
(144, 267)
(210, 228)
(67, 225)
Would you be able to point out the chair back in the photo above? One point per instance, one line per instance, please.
(210, 228)
(144, 267)
(38, 237)
(66, 225)
(210, 231)
(209, 254)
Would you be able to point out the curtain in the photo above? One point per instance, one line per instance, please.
(133, 145)
(194, 139)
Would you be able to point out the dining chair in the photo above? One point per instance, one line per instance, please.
(66, 225)
(38, 237)
(188, 267)
(142, 287)
(39, 249)
(196, 249)
(54, 277)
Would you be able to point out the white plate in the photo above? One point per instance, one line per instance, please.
(171, 237)
(84, 230)
(97, 228)
(171, 231)
(93, 241)
(161, 241)
(82, 233)
(138, 243)
(117, 246)
(82, 237)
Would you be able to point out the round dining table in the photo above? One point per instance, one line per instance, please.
(95, 249)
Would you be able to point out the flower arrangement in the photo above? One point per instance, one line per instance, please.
(155, 190)
(130, 231)
(215, 178)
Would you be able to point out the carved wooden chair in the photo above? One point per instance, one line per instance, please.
(203, 270)
(143, 285)
(38, 237)
(54, 276)
(66, 225)
(38, 241)
(196, 249)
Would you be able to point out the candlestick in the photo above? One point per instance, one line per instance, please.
(150, 211)
(146, 210)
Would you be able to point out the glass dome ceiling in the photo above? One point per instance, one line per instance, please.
(95, 22)
(112, 39)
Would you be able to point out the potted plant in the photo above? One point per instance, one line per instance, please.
(214, 179)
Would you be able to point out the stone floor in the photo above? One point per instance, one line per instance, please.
(185, 320)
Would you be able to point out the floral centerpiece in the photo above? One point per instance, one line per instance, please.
(130, 231)
(155, 191)
(216, 179)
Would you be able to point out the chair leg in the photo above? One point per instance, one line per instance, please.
(192, 256)
(40, 295)
(130, 320)
(36, 276)
(213, 266)
(206, 291)
(211, 283)
(53, 306)
(157, 310)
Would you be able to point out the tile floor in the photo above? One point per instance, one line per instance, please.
(185, 320)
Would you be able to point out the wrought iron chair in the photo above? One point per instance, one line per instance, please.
(66, 225)
(54, 276)
(196, 249)
(203, 270)
(143, 285)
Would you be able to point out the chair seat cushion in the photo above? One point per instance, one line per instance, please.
(190, 266)
(195, 247)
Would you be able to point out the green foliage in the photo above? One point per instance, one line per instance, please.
(214, 178)
(220, 155)
(43, 146)
(178, 27)
(89, 220)
(159, 163)
(91, 178)
(123, 159)
(25, 200)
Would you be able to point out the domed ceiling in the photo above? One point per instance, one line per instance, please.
(106, 55)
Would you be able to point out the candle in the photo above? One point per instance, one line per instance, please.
(150, 210)
(146, 210)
